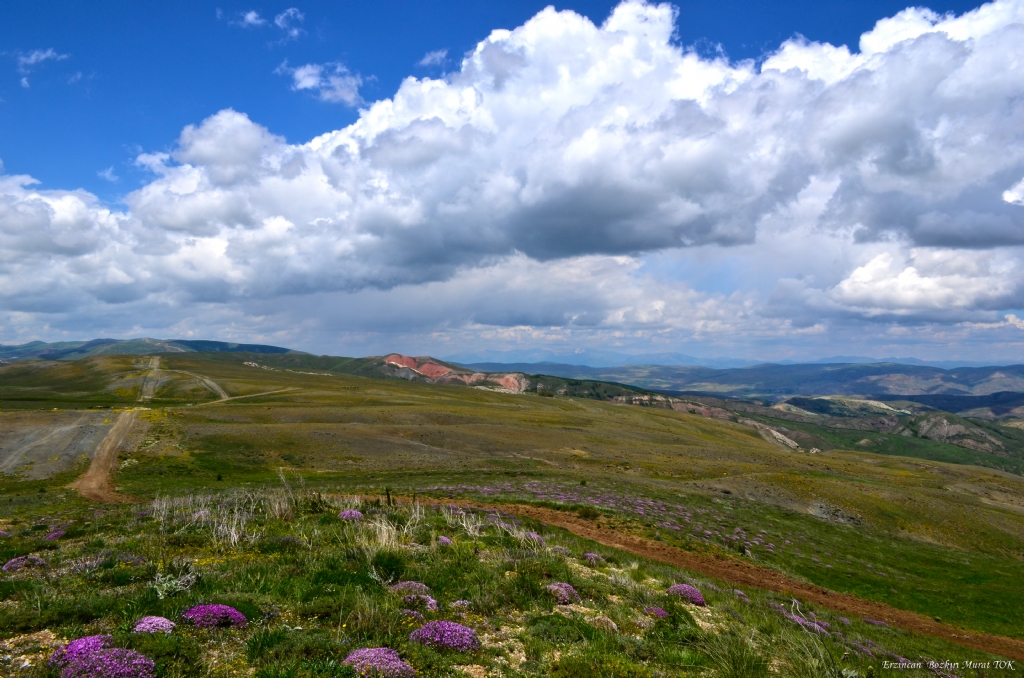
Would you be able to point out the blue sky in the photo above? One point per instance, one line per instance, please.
(705, 178)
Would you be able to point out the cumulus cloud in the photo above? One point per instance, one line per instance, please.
(872, 185)
(331, 82)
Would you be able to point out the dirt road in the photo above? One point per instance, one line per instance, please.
(97, 483)
(149, 385)
(743, 573)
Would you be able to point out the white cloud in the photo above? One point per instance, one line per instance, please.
(434, 58)
(331, 82)
(575, 176)
(251, 19)
(27, 61)
(109, 175)
(290, 22)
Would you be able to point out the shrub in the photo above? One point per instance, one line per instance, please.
(379, 662)
(154, 625)
(564, 593)
(687, 593)
(446, 635)
(409, 588)
(92, 657)
(20, 562)
(208, 616)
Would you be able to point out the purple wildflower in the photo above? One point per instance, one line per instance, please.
(114, 662)
(688, 593)
(564, 593)
(379, 662)
(444, 541)
(351, 514)
(408, 587)
(740, 594)
(446, 635)
(416, 601)
(561, 550)
(4, 533)
(875, 622)
(154, 625)
(77, 649)
(413, 614)
(207, 616)
(535, 539)
(20, 562)
(592, 559)
(655, 611)
(55, 535)
(844, 620)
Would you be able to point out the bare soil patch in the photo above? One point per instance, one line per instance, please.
(97, 483)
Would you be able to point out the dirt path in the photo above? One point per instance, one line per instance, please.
(207, 383)
(251, 395)
(747, 574)
(97, 483)
(149, 385)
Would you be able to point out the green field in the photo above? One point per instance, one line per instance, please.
(945, 540)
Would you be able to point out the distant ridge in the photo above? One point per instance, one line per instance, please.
(73, 350)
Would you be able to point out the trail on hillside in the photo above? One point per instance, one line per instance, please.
(97, 482)
(207, 383)
(149, 385)
(747, 574)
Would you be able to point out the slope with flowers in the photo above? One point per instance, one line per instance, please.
(281, 582)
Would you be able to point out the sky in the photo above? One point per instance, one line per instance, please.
(764, 181)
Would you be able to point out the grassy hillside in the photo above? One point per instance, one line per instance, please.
(348, 433)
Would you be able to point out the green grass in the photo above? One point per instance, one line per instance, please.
(948, 540)
(314, 588)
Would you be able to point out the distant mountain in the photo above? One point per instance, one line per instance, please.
(73, 350)
(591, 358)
(775, 381)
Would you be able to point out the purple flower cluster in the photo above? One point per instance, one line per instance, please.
(561, 550)
(655, 611)
(592, 559)
(875, 622)
(413, 614)
(809, 624)
(446, 635)
(350, 514)
(409, 587)
(415, 600)
(208, 616)
(4, 534)
(444, 541)
(91, 657)
(687, 593)
(55, 535)
(20, 562)
(741, 595)
(534, 539)
(154, 625)
(564, 593)
(379, 662)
